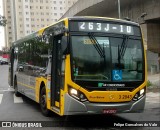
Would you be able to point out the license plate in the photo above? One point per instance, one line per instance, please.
(109, 111)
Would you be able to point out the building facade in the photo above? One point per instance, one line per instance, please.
(27, 16)
(2, 42)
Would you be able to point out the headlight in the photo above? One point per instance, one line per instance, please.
(73, 91)
(77, 94)
(139, 95)
(142, 91)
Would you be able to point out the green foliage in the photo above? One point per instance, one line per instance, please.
(149, 83)
(3, 21)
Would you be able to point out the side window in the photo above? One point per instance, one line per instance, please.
(24, 56)
(33, 57)
(40, 55)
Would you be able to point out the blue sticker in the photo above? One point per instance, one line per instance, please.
(117, 75)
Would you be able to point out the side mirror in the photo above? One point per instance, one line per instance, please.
(64, 45)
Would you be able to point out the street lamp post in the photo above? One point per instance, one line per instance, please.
(119, 9)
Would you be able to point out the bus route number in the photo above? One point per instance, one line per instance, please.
(105, 27)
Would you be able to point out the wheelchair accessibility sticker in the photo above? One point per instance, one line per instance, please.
(117, 75)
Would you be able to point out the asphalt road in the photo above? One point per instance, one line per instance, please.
(23, 110)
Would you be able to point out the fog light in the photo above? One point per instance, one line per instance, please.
(135, 98)
(81, 96)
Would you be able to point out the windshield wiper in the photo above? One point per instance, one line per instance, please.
(97, 45)
(122, 49)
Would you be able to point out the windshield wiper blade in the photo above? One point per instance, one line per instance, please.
(124, 45)
(97, 45)
(122, 49)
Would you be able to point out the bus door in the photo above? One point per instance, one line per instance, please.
(11, 68)
(56, 78)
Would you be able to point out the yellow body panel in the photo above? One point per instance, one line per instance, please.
(48, 92)
(111, 96)
(145, 58)
(67, 80)
(62, 102)
(56, 104)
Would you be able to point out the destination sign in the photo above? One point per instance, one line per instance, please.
(105, 27)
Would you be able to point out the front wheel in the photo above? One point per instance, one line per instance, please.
(43, 102)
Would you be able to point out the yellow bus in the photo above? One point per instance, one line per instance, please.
(82, 65)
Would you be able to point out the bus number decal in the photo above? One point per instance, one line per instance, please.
(125, 96)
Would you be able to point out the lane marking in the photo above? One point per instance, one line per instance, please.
(1, 96)
(7, 90)
(17, 99)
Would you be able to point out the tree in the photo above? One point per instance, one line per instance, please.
(3, 21)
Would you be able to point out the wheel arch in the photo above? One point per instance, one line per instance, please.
(40, 88)
(45, 110)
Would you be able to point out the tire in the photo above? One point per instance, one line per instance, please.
(43, 103)
(16, 88)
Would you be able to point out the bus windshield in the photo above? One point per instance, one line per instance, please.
(107, 58)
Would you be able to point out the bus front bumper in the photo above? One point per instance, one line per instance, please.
(75, 107)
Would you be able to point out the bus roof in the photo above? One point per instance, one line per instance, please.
(102, 19)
